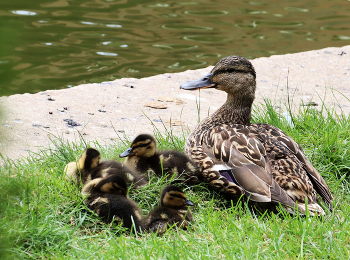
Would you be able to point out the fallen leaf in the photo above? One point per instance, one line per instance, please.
(157, 105)
(166, 99)
(170, 99)
(179, 102)
(175, 122)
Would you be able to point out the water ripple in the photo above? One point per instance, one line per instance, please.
(56, 44)
(23, 12)
(106, 53)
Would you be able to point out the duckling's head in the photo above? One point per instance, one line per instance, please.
(173, 197)
(89, 159)
(234, 75)
(112, 184)
(144, 145)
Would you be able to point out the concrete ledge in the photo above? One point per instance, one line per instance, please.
(118, 107)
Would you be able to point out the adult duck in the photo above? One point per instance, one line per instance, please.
(257, 160)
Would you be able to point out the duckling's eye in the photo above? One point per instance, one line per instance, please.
(230, 70)
(141, 145)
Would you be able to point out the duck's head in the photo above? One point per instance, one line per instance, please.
(89, 159)
(234, 75)
(112, 184)
(173, 197)
(144, 145)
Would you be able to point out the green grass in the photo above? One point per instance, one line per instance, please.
(43, 216)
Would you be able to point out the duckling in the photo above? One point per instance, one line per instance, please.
(143, 156)
(75, 171)
(107, 196)
(257, 160)
(89, 167)
(173, 210)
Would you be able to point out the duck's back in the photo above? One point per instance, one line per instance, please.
(290, 167)
(241, 159)
(110, 167)
(175, 162)
(115, 207)
(171, 162)
(159, 219)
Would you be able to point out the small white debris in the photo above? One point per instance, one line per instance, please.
(288, 117)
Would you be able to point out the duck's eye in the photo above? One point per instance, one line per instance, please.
(230, 70)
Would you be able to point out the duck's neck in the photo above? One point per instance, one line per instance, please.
(237, 111)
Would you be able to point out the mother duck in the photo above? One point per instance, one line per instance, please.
(257, 160)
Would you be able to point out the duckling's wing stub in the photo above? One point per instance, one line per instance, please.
(204, 82)
(112, 207)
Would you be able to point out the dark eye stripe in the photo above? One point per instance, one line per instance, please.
(141, 145)
(231, 70)
(178, 196)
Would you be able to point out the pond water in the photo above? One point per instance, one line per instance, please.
(53, 44)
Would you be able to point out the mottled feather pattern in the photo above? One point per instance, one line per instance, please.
(289, 157)
(237, 145)
(240, 149)
(260, 160)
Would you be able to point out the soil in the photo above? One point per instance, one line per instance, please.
(129, 106)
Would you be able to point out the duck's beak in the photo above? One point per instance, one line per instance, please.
(204, 82)
(126, 153)
(189, 203)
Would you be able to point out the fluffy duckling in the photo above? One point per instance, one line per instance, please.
(257, 160)
(89, 167)
(77, 171)
(108, 198)
(173, 210)
(143, 156)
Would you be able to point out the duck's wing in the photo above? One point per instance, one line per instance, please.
(285, 151)
(233, 155)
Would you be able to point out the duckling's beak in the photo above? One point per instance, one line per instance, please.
(126, 153)
(204, 82)
(189, 203)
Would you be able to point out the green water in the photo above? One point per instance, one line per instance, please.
(63, 43)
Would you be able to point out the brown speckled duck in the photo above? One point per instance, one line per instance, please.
(173, 211)
(143, 156)
(107, 197)
(89, 167)
(257, 160)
